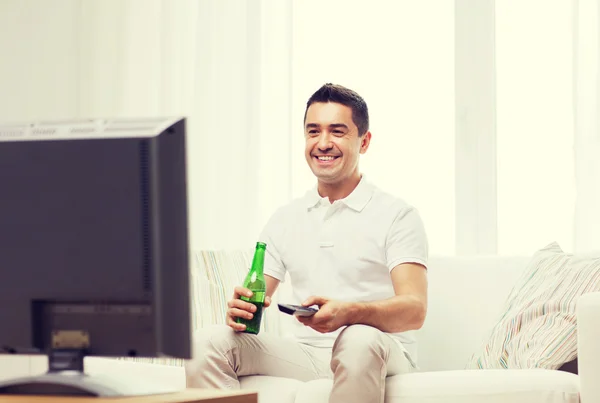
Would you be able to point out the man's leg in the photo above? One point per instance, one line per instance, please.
(362, 358)
(220, 355)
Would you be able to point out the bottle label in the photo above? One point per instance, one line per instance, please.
(257, 296)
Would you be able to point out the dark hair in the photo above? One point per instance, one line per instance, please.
(345, 96)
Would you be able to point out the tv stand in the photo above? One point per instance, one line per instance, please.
(66, 377)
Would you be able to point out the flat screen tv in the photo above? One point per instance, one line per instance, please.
(93, 248)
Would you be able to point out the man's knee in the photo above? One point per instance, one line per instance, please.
(207, 342)
(211, 338)
(358, 344)
(361, 337)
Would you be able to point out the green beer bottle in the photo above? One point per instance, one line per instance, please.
(255, 282)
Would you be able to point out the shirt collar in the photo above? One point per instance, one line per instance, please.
(357, 200)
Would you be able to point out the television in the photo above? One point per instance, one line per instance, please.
(93, 249)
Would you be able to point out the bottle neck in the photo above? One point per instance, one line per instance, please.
(258, 262)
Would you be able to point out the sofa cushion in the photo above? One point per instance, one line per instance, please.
(465, 299)
(466, 386)
(272, 389)
(214, 276)
(538, 326)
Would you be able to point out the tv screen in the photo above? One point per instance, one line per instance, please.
(94, 239)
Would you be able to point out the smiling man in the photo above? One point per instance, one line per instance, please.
(354, 251)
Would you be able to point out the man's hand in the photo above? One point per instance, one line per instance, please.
(241, 309)
(331, 316)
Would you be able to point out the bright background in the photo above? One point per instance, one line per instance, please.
(484, 113)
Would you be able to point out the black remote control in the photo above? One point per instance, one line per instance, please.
(297, 310)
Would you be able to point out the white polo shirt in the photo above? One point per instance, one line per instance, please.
(343, 250)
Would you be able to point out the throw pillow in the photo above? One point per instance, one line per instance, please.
(538, 327)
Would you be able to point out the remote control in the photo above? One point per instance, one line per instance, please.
(297, 310)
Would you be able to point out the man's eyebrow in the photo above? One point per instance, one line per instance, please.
(333, 125)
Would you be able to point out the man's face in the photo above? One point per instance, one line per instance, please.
(333, 146)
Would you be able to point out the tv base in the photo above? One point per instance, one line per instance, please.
(78, 384)
(66, 377)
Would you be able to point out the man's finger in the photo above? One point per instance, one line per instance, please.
(238, 327)
(267, 301)
(315, 300)
(305, 320)
(238, 291)
(238, 303)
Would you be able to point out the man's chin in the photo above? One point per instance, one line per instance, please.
(328, 179)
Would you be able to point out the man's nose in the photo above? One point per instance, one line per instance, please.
(324, 141)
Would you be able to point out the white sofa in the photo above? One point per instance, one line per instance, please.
(465, 298)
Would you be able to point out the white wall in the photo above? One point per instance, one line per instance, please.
(242, 71)
(81, 59)
(398, 55)
(39, 53)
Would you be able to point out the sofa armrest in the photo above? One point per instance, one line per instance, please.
(588, 345)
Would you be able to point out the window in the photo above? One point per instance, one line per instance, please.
(408, 84)
(536, 185)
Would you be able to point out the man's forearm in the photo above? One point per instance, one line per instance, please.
(397, 314)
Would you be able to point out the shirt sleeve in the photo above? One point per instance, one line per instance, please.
(272, 234)
(407, 240)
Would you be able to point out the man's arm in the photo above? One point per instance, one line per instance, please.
(404, 311)
(272, 284)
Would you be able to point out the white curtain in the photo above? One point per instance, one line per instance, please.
(399, 56)
(587, 123)
(239, 137)
(535, 133)
(224, 64)
(241, 72)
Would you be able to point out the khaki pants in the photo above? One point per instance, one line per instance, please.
(361, 358)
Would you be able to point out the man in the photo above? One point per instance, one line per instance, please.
(357, 253)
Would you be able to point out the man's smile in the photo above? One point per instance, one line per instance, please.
(325, 159)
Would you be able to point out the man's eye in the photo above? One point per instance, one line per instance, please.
(312, 131)
(338, 132)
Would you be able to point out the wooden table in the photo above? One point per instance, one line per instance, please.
(185, 396)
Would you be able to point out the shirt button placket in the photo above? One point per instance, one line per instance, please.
(326, 240)
(325, 252)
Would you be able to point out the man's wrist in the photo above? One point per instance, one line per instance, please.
(356, 313)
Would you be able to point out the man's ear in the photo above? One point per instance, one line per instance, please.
(365, 140)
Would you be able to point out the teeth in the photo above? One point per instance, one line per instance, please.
(327, 158)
